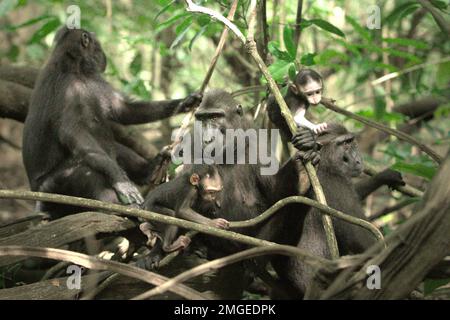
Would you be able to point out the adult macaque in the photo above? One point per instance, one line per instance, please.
(340, 161)
(197, 189)
(305, 91)
(68, 143)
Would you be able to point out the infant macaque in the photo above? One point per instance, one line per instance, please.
(305, 91)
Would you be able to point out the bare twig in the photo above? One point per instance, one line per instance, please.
(396, 74)
(265, 30)
(147, 215)
(440, 20)
(192, 7)
(330, 104)
(99, 264)
(298, 21)
(323, 210)
(222, 262)
(390, 209)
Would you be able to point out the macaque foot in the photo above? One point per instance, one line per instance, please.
(181, 243)
(152, 236)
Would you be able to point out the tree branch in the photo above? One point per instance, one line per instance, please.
(147, 215)
(298, 21)
(330, 104)
(220, 263)
(99, 264)
(441, 22)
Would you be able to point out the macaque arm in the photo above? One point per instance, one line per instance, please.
(137, 112)
(184, 209)
(192, 215)
(387, 177)
(301, 120)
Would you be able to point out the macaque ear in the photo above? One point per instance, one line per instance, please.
(194, 179)
(294, 89)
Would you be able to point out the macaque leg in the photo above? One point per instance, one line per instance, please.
(165, 234)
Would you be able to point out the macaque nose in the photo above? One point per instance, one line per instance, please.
(316, 99)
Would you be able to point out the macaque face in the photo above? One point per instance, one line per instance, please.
(211, 186)
(312, 90)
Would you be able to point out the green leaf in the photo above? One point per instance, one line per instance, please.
(279, 69)
(308, 59)
(401, 11)
(203, 20)
(325, 25)
(407, 42)
(419, 169)
(325, 57)
(288, 36)
(184, 28)
(6, 6)
(363, 32)
(292, 72)
(305, 24)
(441, 5)
(443, 74)
(136, 64)
(350, 47)
(274, 49)
(431, 284)
(46, 29)
(197, 35)
(167, 7)
(403, 54)
(29, 22)
(171, 21)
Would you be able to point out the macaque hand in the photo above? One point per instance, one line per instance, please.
(220, 223)
(304, 139)
(190, 102)
(318, 128)
(128, 193)
(391, 178)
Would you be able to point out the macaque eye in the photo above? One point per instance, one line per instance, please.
(310, 94)
(318, 91)
(85, 39)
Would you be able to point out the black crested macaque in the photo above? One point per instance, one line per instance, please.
(68, 143)
(195, 195)
(340, 161)
(305, 91)
(247, 192)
